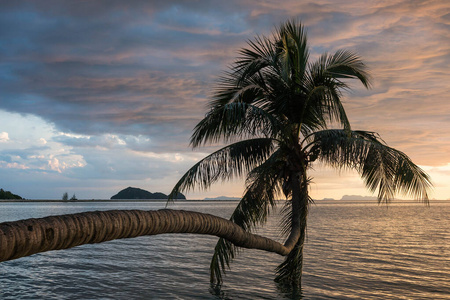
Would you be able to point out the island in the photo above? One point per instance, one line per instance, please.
(131, 193)
(7, 195)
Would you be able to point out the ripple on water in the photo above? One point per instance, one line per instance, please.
(353, 250)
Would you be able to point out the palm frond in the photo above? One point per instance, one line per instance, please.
(233, 160)
(323, 100)
(381, 167)
(293, 46)
(254, 60)
(236, 119)
(263, 185)
(248, 71)
(346, 64)
(289, 272)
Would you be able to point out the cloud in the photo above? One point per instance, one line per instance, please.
(90, 84)
(4, 137)
(31, 146)
(95, 75)
(67, 159)
(14, 165)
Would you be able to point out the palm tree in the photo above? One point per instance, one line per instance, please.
(274, 108)
(26, 237)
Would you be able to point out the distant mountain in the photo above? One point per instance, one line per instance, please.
(136, 193)
(8, 195)
(223, 198)
(358, 197)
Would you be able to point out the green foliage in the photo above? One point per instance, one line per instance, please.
(275, 106)
(65, 197)
(8, 195)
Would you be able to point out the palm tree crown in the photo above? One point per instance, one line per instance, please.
(274, 109)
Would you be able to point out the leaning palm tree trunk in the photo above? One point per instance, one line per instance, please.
(27, 237)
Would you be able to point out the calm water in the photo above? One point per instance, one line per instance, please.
(355, 250)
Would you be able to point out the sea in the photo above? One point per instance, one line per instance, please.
(354, 250)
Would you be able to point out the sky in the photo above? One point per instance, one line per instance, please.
(96, 96)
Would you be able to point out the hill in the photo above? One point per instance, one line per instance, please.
(137, 193)
(8, 195)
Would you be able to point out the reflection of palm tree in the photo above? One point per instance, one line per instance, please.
(275, 107)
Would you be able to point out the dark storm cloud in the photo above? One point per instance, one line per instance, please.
(94, 67)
